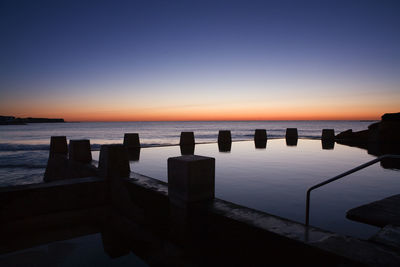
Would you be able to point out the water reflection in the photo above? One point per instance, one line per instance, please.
(225, 147)
(260, 144)
(187, 149)
(328, 144)
(134, 154)
(291, 141)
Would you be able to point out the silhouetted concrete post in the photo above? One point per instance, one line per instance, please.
(58, 145)
(113, 167)
(291, 133)
(328, 134)
(131, 140)
(187, 143)
(224, 141)
(114, 161)
(291, 136)
(57, 164)
(79, 151)
(191, 186)
(224, 136)
(260, 138)
(187, 138)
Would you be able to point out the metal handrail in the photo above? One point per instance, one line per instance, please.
(369, 163)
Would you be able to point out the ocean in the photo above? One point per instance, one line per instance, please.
(24, 148)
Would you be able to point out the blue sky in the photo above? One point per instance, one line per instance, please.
(143, 60)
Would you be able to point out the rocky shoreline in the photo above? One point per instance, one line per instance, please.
(11, 120)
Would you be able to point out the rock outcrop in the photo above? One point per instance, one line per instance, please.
(380, 138)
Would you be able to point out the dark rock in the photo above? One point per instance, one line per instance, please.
(391, 117)
(345, 134)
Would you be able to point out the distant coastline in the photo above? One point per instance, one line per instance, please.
(11, 120)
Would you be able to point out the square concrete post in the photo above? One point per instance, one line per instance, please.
(260, 138)
(224, 136)
(79, 151)
(187, 138)
(58, 145)
(131, 140)
(291, 136)
(57, 164)
(328, 134)
(191, 178)
(113, 161)
(191, 186)
(113, 167)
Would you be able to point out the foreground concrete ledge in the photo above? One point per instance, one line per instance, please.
(343, 246)
(50, 184)
(148, 183)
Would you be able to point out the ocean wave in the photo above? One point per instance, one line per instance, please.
(22, 147)
(23, 166)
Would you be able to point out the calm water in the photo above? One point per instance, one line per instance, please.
(82, 251)
(23, 148)
(274, 179)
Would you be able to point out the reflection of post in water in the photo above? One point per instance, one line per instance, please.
(187, 143)
(224, 141)
(328, 144)
(187, 149)
(328, 138)
(291, 136)
(134, 154)
(381, 148)
(260, 138)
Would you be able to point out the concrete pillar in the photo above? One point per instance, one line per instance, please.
(328, 134)
(79, 151)
(291, 136)
(260, 138)
(57, 164)
(58, 145)
(114, 161)
(224, 136)
(191, 186)
(260, 135)
(187, 138)
(291, 133)
(191, 179)
(131, 140)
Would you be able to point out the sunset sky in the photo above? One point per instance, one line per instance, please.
(199, 60)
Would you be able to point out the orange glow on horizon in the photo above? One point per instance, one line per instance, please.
(210, 116)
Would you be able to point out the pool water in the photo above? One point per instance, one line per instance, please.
(275, 179)
(81, 251)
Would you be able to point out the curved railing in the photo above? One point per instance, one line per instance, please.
(369, 163)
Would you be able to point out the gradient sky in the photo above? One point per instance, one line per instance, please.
(199, 60)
